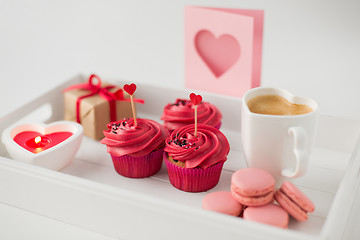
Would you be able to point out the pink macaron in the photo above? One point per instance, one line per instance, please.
(252, 186)
(271, 214)
(294, 201)
(222, 202)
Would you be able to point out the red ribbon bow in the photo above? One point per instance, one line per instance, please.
(103, 92)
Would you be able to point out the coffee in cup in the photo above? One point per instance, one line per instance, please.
(276, 105)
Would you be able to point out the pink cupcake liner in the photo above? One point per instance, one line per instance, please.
(193, 179)
(138, 167)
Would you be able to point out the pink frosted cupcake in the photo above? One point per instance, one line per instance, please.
(194, 164)
(136, 151)
(181, 113)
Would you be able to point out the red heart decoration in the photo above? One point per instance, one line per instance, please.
(196, 99)
(130, 89)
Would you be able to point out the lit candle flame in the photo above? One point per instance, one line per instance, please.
(37, 139)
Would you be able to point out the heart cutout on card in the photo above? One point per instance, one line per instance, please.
(220, 53)
(130, 88)
(195, 99)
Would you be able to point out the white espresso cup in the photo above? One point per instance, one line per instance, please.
(279, 144)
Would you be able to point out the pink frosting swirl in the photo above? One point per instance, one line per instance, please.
(208, 148)
(124, 138)
(181, 113)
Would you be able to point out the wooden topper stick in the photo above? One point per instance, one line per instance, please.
(133, 109)
(195, 99)
(130, 89)
(195, 121)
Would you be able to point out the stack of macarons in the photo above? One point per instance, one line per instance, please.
(254, 188)
(252, 197)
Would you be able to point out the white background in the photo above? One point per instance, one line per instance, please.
(311, 48)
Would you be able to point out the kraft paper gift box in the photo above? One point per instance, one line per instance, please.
(94, 110)
(223, 49)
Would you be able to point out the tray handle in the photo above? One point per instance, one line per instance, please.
(350, 184)
(52, 99)
(354, 165)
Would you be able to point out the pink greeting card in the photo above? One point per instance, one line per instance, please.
(223, 49)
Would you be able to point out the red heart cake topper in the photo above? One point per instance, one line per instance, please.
(130, 89)
(196, 99)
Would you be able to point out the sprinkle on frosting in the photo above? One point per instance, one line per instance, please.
(125, 138)
(208, 148)
(181, 113)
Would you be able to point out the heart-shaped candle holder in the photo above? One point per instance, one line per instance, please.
(51, 146)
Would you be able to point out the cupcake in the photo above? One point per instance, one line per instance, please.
(194, 164)
(136, 150)
(181, 113)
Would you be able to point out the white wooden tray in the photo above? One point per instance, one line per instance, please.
(90, 194)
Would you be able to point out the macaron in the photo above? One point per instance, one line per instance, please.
(270, 214)
(294, 201)
(252, 186)
(222, 202)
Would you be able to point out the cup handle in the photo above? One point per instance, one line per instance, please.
(300, 151)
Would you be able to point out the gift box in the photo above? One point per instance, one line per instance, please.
(95, 104)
